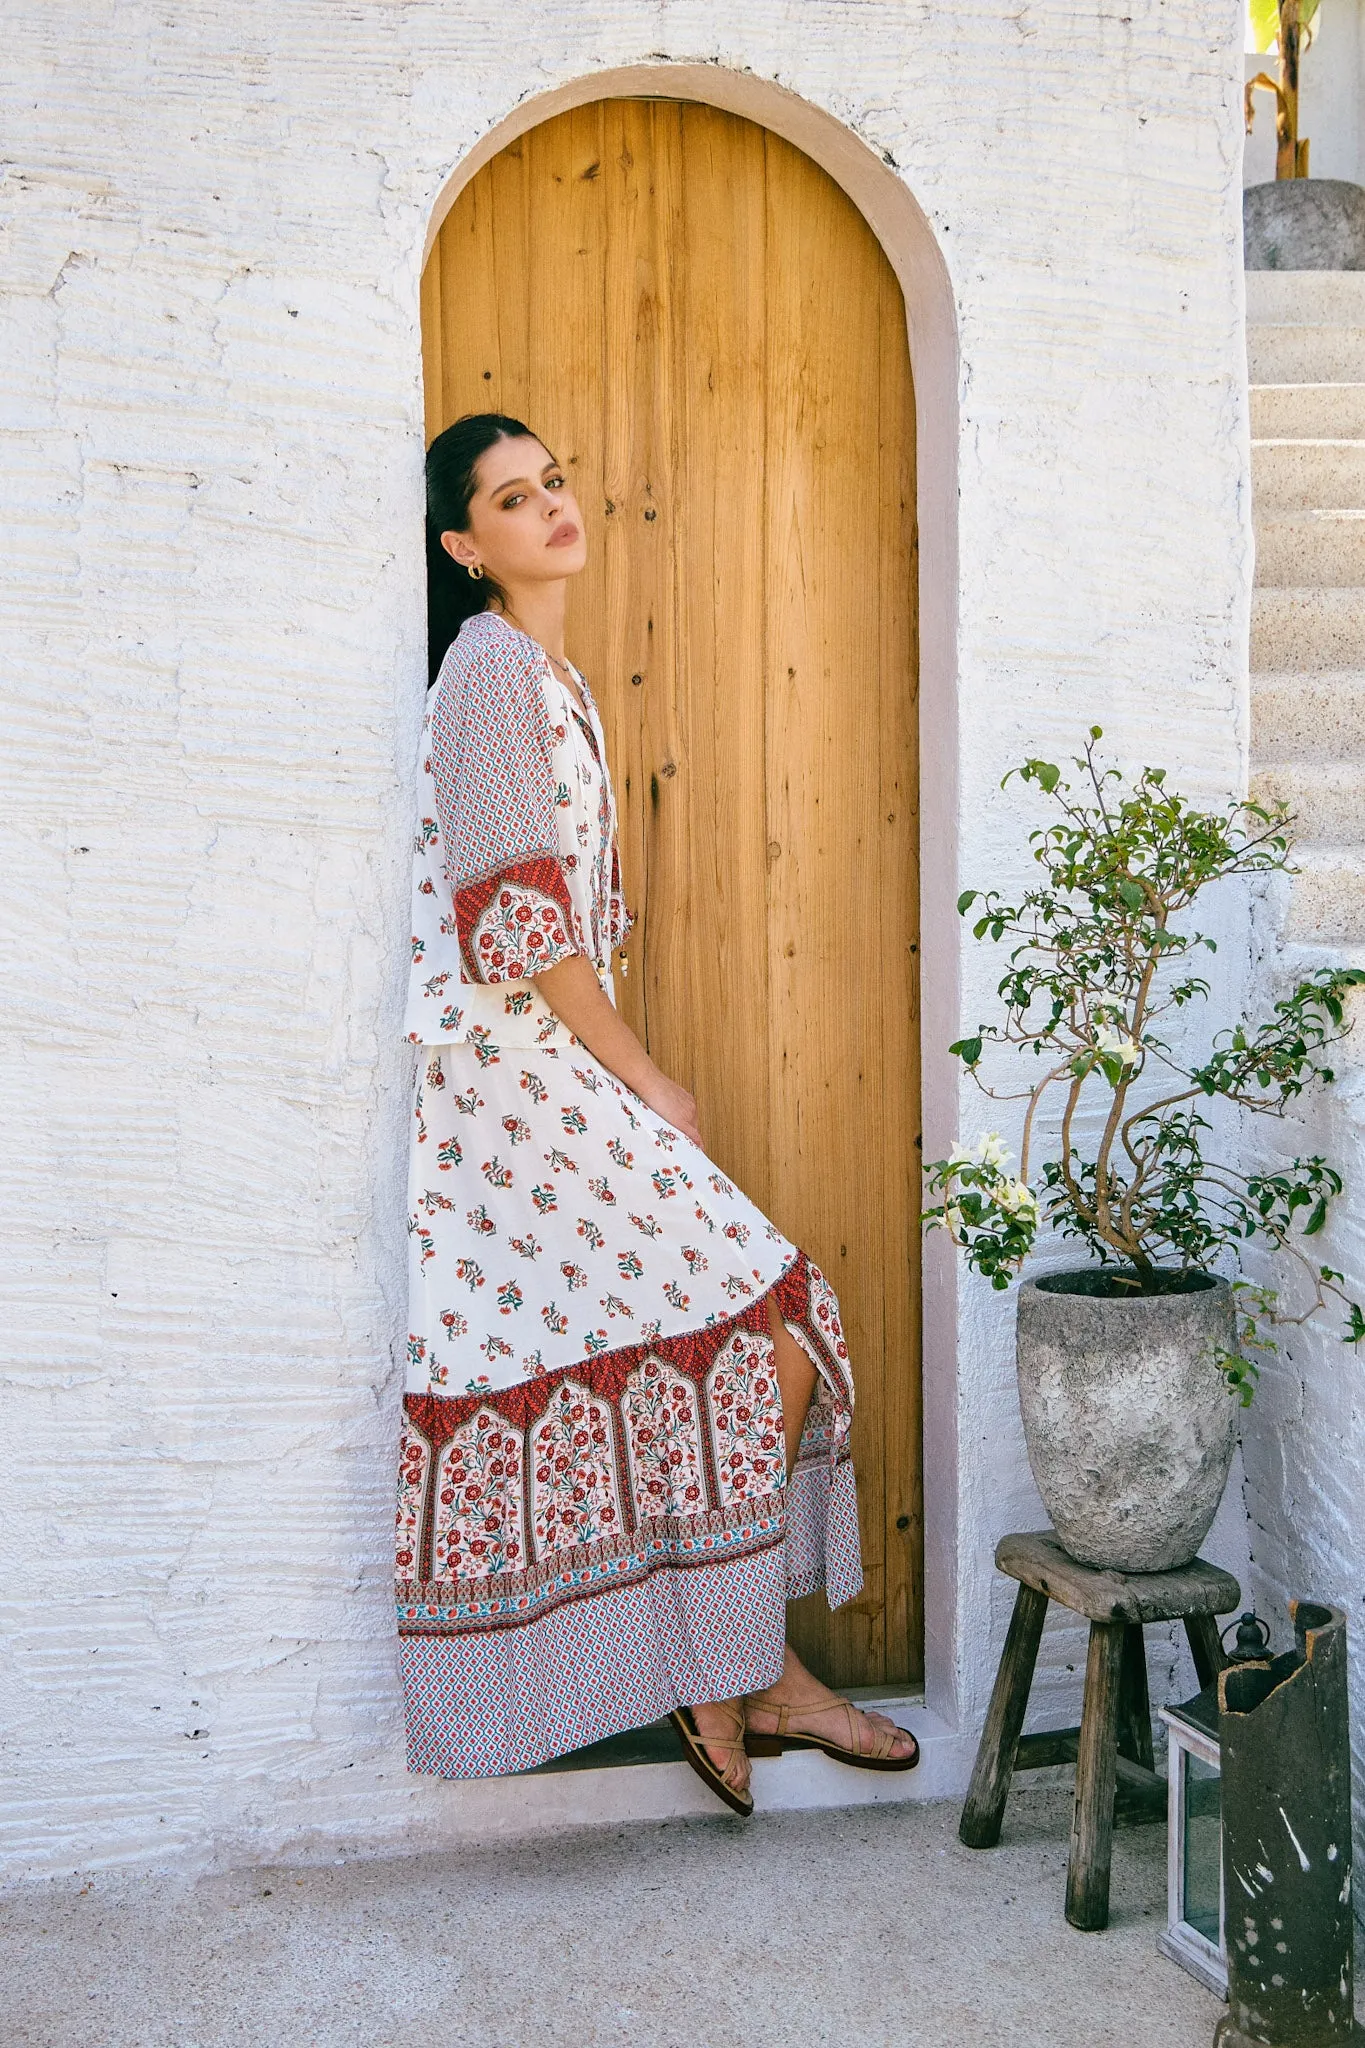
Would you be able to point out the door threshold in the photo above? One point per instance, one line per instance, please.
(641, 1778)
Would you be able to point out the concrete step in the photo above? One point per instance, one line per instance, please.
(1306, 355)
(1326, 798)
(1306, 297)
(1311, 550)
(1307, 475)
(1298, 717)
(1327, 896)
(1307, 630)
(1308, 412)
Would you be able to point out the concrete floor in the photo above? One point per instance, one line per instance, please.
(861, 1928)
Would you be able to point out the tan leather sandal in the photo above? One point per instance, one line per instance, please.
(695, 1751)
(772, 1742)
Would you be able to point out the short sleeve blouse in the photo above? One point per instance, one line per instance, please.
(515, 862)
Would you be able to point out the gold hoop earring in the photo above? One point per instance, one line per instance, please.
(476, 571)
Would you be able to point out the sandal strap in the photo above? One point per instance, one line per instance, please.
(707, 1743)
(884, 1739)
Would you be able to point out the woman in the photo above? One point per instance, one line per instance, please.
(628, 1396)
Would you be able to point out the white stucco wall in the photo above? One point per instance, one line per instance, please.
(1304, 1439)
(210, 393)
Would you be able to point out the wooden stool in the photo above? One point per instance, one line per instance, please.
(1112, 1748)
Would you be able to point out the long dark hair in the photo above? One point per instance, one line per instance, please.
(453, 595)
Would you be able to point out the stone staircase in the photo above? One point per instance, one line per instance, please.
(1303, 1438)
(1306, 356)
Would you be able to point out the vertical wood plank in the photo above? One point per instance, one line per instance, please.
(828, 1142)
(565, 234)
(473, 372)
(897, 873)
(433, 346)
(500, 236)
(644, 553)
(719, 342)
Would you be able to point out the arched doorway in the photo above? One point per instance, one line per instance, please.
(702, 324)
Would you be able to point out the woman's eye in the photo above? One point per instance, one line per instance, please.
(554, 483)
(515, 499)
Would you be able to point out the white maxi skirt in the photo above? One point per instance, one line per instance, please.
(594, 1520)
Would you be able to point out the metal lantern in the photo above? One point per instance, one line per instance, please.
(1194, 1842)
(1259, 1800)
(1195, 1905)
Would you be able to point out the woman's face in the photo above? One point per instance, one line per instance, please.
(524, 522)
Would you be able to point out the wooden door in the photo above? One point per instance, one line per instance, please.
(701, 325)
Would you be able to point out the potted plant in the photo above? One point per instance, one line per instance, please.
(1129, 1367)
(1295, 222)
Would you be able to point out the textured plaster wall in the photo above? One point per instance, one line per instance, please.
(1304, 1437)
(213, 217)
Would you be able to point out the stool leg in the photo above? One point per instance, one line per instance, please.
(1135, 1708)
(994, 1767)
(1092, 1826)
(1206, 1647)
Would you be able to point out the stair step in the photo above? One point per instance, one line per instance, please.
(1306, 297)
(1307, 630)
(1326, 798)
(1307, 475)
(1297, 717)
(1304, 957)
(1311, 550)
(1327, 896)
(1327, 412)
(1306, 355)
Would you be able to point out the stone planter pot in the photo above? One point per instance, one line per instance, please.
(1304, 224)
(1128, 1421)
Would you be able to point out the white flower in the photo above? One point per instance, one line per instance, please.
(961, 1155)
(1115, 1045)
(991, 1150)
(1016, 1198)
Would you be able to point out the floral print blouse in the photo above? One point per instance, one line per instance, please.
(515, 860)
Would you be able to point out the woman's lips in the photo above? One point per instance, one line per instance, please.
(562, 537)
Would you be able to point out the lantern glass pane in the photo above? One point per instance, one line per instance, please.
(1203, 1848)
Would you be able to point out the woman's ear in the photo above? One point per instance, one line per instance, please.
(460, 548)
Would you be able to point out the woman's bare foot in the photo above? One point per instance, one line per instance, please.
(720, 1725)
(808, 1703)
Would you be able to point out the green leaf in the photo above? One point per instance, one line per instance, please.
(1048, 776)
(1131, 895)
(1317, 1219)
(966, 900)
(1265, 20)
(1265, 23)
(968, 1050)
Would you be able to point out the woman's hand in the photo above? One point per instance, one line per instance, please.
(578, 999)
(671, 1101)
